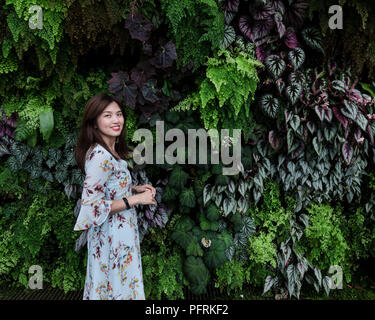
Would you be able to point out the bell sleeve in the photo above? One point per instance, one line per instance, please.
(94, 208)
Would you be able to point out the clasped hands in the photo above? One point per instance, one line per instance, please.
(146, 194)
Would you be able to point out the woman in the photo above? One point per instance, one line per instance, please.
(114, 267)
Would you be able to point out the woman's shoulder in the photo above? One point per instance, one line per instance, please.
(98, 151)
(97, 155)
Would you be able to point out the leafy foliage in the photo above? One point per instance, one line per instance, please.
(225, 96)
(308, 132)
(197, 26)
(324, 235)
(28, 237)
(162, 265)
(353, 49)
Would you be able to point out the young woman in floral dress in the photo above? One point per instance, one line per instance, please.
(114, 267)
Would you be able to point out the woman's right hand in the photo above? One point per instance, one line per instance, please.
(146, 197)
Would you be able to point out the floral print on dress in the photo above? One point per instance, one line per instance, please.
(114, 266)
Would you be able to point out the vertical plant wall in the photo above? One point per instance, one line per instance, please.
(301, 93)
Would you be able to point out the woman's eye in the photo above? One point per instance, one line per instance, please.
(108, 115)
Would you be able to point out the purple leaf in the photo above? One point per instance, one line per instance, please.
(320, 112)
(297, 152)
(158, 221)
(279, 23)
(262, 28)
(347, 152)
(142, 72)
(340, 117)
(358, 136)
(329, 114)
(244, 24)
(138, 26)
(123, 88)
(290, 39)
(149, 214)
(231, 5)
(150, 91)
(261, 54)
(295, 13)
(261, 13)
(273, 140)
(277, 5)
(355, 95)
(370, 133)
(164, 56)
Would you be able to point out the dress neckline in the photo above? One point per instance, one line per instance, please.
(98, 144)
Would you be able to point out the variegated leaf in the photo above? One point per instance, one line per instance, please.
(228, 205)
(293, 91)
(207, 193)
(275, 65)
(296, 57)
(242, 187)
(347, 152)
(218, 199)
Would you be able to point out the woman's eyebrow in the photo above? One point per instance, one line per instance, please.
(110, 111)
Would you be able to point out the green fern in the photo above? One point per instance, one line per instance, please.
(198, 28)
(8, 64)
(227, 91)
(44, 40)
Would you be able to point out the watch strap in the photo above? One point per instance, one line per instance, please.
(126, 203)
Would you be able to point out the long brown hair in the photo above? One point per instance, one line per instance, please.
(89, 135)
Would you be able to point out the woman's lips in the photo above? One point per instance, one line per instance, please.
(116, 128)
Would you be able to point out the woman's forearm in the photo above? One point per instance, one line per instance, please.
(119, 205)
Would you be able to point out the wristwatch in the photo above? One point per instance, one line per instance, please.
(126, 203)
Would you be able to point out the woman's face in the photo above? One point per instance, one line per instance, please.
(111, 121)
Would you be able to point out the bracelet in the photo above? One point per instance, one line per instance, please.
(126, 203)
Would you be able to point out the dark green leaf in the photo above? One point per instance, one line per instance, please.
(270, 105)
(229, 205)
(313, 38)
(275, 65)
(207, 193)
(295, 122)
(293, 91)
(187, 198)
(296, 57)
(229, 36)
(215, 255)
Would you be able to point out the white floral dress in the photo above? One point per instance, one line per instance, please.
(114, 266)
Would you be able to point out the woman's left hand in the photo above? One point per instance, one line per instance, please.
(144, 188)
